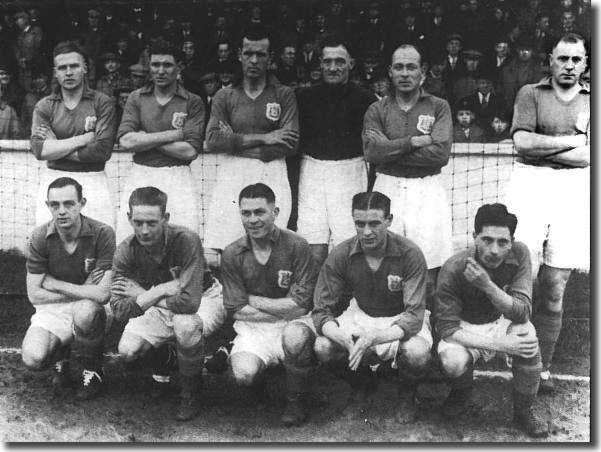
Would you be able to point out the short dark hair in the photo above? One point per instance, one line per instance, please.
(495, 215)
(65, 182)
(409, 46)
(69, 47)
(163, 47)
(148, 196)
(255, 33)
(371, 200)
(257, 191)
(335, 41)
(570, 38)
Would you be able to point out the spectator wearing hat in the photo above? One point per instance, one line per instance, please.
(524, 69)
(370, 31)
(465, 84)
(500, 57)
(92, 38)
(465, 129)
(40, 87)
(499, 127)
(380, 83)
(28, 42)
(454, 64)
(138, 75)
(192, 67)
(112, 79)
(435, 82)
(409, 32)
(11, 92)
(224, 63)
(436, 30)
(287, 72)
(485, 101)
(209, 85)
(126, 54)
(544, 36)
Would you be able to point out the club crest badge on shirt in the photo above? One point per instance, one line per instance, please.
(284, 279)
(425, 124)
(90, 123)
(395, 283)
(89, 264)
(178, 119)
(273, 111)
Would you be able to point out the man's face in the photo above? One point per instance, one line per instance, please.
(371, 226)
(123, 99)
(525, 54)
(566, 4)
(335, 65)
(258, 217)
(568, 62)
(288, 56)
(122, 45)
(405, 71)
(544, 23)
(138, 80)
(254, 57)
(69, 70)
(163, 70)
(320, 20)
(381, 86)
(210, 87)
(188, 49)
(493, 244)
(472, 63)
(111, 66)
(223, 52)
(39, 83)
(473, 5)
(93, 21)
(22, 22)
(220, 23)
(498, 125)
(501, 49)
(567, 19)
(4, 77)
(149, 224)
(65, 206)
(464, 118)
(454, 47)
(437, 68)
(484, 86)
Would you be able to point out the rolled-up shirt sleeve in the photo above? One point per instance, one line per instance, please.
(191, 275)
(235, 296)
(447, 302)
(524, 110)
(414, 294)
(36, 254)
(105, 248)
(124, 307)
(330, 290)
(101, 146)
(305, 272)
(438, 153)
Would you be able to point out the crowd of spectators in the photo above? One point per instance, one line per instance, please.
(478, 52)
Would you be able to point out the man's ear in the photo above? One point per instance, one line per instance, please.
(474, 235)
(129, 218)
(276, 211)
(389, 220)
(166, 217)
(240, 55)
(351, 63)
(83, 202)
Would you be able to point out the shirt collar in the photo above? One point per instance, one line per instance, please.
(393, 248)
(546, 83)
(85, 231)
(27, 28)
(57, 93)
(511, 259)
(422, 94)
(180, 91)
(246, 244)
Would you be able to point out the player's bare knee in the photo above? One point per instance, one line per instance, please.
(415, 352)
(128, 349)
(187, 329)
(89, 317)
(324, 349)
(243, 375)
(454, 362)
(34, 360)
(296, 338)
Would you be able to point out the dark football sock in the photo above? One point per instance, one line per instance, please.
(548, 327)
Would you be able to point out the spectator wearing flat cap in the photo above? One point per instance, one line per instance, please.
(138, 75)
(209, 85)
(523, 70)
(499, 57)
(465, 129)
(112, 78)
(125, 52)
(465, 84)
(436, 29)
(287, 72)
(499, 130)
(28, 42)
(485, 101)
(454, 64)
(435, 82)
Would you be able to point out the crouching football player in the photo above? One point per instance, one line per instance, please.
(68, 281)
(158, 290)
(384, 276)
(482, 307)
(268, 278)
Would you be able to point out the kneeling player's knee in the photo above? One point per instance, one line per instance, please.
(455, 362)
(297, 340)
(128, 349)
(33, 360)
(415, 353)
(187, 329)
(89, 317)
(243, 375)
(325, 349)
